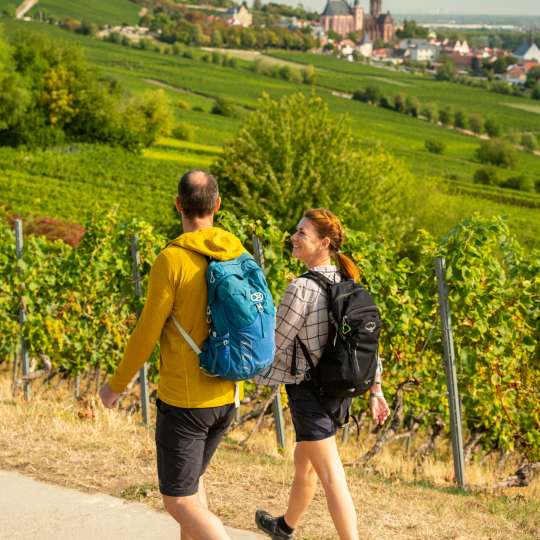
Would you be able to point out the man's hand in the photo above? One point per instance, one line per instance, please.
(108, 397)
(379, 409)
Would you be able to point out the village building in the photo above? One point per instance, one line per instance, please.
(239, 16)
(515, 75)
(338, 16)
(528, 51)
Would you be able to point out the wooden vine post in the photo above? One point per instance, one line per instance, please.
(277, 408)
(19, 244)
(143, 373)
(451, 376)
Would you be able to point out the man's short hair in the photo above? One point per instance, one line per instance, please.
(198, 192)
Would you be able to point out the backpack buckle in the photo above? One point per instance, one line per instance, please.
(257, 297)
(345, 327)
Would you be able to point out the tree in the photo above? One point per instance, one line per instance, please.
(399, 103)
(14, 94)
(497, 152)
(411, 29)
(535, 94)
(291, 155)
(460, 120)
(533, 77)
(59, 98)
(412, 106)
(430, 112)
(476, 123)
(216, 38)
(493, 129)
(446, 116)
(528, 140)
(446, 71)
(372, 94)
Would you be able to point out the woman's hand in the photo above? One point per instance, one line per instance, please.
(379, 408)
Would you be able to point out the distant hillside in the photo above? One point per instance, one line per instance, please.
(112, 12)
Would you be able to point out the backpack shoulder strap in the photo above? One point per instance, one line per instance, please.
(186, 336)
(319, 278)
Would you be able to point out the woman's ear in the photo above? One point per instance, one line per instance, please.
(325, 242)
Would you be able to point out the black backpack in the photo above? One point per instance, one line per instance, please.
(349, 361)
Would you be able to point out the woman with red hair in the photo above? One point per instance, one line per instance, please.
(303, 314)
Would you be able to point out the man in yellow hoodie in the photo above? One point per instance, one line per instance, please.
(193, 409)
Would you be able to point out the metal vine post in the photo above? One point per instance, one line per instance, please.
(277, 408)
(451, 376)
(19, 245)
(143, 373)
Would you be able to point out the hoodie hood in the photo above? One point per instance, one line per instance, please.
(212, 242)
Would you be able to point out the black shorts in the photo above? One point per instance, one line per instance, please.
(310, 419)
(186, 440)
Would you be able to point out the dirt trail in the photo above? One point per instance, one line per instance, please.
(24, 8)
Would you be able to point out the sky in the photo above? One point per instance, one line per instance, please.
(462, 7)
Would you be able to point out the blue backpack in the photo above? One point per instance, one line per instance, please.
(242, 320)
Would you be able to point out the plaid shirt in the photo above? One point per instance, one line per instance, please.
(303, 312)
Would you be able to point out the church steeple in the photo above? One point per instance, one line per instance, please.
(375, 8)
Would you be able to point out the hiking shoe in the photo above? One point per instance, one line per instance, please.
(269, 525)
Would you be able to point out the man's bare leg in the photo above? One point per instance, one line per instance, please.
(196, 521)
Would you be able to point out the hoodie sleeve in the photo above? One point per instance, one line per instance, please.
(158, 307)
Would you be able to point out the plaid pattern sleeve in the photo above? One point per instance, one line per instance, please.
(303, 312)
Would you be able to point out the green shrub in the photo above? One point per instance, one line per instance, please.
(487, 175)
(399, 103)
(183, 105)
(497, 152)
(528, 140)
(430, 112)
(435, 146)
(412, 106)
(521, 182)
(446, 116)
(184, 132)
(224, 107)
(460, 120)
(476, 123)
(216, 57)
(308, 74)
(493, 129)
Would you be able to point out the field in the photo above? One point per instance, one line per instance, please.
(199, 83)
(348, 77)
(98, 11)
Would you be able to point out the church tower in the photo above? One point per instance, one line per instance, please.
(358, 16)
(375, 8)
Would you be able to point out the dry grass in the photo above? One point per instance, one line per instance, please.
(79, 444)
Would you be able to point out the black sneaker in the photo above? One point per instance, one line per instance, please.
(269, 525)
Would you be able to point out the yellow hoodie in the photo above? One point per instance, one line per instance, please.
(177, 285)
